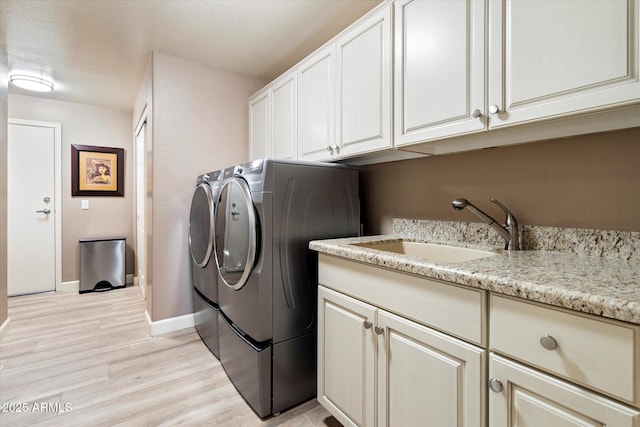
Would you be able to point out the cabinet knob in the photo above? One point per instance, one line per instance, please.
(330, 149)
(494, 109)
(336, 149)
(476, 113)
(548, 342)
(366, 324)
(495, 385)
(379, 330)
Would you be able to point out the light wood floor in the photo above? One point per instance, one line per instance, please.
(88, 360)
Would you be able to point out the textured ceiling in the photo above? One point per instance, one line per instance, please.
(95, 51)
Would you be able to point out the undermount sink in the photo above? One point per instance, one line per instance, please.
(430, 251)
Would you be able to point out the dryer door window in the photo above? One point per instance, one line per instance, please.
(201, 225)
(235, 242)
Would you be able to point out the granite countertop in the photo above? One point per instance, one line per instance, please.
(603, 286)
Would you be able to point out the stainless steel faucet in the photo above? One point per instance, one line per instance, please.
(509, 231)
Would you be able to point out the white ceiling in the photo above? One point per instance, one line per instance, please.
(95, 51)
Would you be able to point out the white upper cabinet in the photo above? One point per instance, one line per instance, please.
(444, 76)
(363, 109)
(439, 69)
(550, 58)
(273, 120)
(316, 105)
(259, 125)
(284, 137)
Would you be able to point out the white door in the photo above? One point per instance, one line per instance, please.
(549, 58)
(521, 396)
(259, 126)
(439, 69)
(316, 85)
(427, 378)
(141, 192)
(363, 57)
(33, 198)
(346, 358)
(284, 116)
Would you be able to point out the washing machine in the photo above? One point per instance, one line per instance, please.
(267, 212)
(203, 266)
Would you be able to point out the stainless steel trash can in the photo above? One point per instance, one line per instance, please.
(102, 264)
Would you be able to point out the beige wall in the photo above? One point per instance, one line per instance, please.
(86, 125)
(200, 124)
(3, 184)
(589, 181)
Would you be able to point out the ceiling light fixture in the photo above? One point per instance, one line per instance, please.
(36, 84)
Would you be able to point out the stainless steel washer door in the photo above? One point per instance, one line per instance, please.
(201, 225)
(235, 241)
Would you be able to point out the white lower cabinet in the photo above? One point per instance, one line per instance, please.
(397, 350)
(379, 369)
(560, 367)
(522, 396)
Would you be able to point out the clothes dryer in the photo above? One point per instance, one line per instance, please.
(267, 212)
(203, 266)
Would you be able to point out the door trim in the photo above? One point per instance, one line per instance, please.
(57, 190)
(142, 123)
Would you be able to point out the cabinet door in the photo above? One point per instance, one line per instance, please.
(439, 69)
(526, 397)
(426, 378)
(549, 58)
(284, 116)
(346, 351)
(316, 96)
(364, 85)
(259, 126)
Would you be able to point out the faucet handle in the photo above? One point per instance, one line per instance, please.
(511, 220)
(513, 242)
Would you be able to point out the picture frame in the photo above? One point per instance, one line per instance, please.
(97, 171)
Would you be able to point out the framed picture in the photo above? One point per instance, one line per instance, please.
(97, 171)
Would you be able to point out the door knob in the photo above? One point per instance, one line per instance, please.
(44, 211)
(495, 385)
(548, 342)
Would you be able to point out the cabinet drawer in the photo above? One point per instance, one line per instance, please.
(595, 352)
(446, 307)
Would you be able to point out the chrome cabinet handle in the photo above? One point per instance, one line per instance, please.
(44, 211)
(367, 324)
(548, 342)
(495, 385)
(494, 109)
(379, 330)
(476, 113)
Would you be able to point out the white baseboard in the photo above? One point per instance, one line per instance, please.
(74, 285)
(4, 328)
(171, 324)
